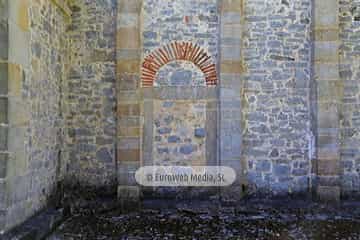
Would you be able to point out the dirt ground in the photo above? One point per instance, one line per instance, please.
(249, 219)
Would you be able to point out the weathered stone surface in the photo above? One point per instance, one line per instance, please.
(323, 10)
(326, 51)
(4, 78)
(349, 75)
(4, 158)
(4, 39)
(179, 134)
(3, 110)
(128, 38)
(103, 155)
(3, 138)
(128, 155)
(328, 194)
(129, 6)
(276, 80)
(200, 132)
(79, 87)
(4, 9)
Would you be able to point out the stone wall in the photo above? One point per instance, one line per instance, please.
(349, 20)
(276, 134)
(179, 133)
(4, 154)
(36, 70)
(284, 113)
(193, 21)
(90, 99)
(231, 72)
(329, 98)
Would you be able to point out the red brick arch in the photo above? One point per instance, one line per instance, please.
(174, 51)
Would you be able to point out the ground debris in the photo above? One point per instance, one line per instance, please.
(250, 221)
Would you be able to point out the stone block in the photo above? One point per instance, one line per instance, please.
(173, 139)
(128, 38)
(3, 78)
(301, 79)
(3, 214)
(129, 143)
(16, 138)
(200, 132)
(328, 140)
(263, 166)
(128, 110)
(129, 6)
(326, 34)
(127, 20)
(326, 71)
(329, 181)
(18, 114)
(4, 10)
(128, 81)
(281, 170)
(187, 149)
(128, 155)
(328, 194)
(330, 91)
(4, 40)
(4, 157)
(3, 110)
(231, 17)
(231, 30)
(128, 66)
(104, 155)
(324, 13)
(128, 54)
(3, 138)
(129, 131)
(230, 80)
(19, 13)
(181, 78)
(328, 115)
(231, 5)
(328, 167)
(326, 51)
(231, 53)
(16, 77)
(19, 46)
(231, 67)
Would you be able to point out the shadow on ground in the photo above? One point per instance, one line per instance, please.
(249, 219)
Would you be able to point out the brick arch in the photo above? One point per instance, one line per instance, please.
(174, 51)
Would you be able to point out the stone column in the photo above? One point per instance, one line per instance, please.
(329, 97)
(231, 67)
(4, 155)
(128, 48)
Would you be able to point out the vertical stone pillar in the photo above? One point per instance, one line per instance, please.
(128, 48)
(231, 67)
(329, 97)
(4, 155)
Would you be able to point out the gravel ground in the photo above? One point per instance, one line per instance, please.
(250, 219)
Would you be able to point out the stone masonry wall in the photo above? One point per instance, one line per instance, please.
(194, 21)
(90, 115)
(276, 134)
(179, 133)
(349, 18)
(72, 105)
(36, 70)
(4, 154)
